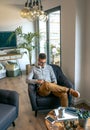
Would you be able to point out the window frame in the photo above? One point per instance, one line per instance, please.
(47, 33)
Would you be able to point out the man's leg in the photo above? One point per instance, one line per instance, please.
(46, 88)
(54, 87)
(63, 98)
(43, 91)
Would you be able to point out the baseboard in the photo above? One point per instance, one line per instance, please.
(80, 100)
(87, 102)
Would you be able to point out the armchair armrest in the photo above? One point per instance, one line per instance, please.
(32, 95)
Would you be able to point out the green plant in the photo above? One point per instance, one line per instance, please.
(28, 41)
(83, 114)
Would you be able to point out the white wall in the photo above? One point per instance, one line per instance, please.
(80, 47)
(68, 37)
(82, 64)
(87, 54)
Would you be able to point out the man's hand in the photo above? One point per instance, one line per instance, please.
(40, 81)
(53, 82)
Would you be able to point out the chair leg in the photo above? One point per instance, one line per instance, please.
(13, 124)
(36, 113)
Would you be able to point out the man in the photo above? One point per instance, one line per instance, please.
(43, 75)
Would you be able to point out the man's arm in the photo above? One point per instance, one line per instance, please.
(29, 78)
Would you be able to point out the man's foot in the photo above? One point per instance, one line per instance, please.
(74, 93)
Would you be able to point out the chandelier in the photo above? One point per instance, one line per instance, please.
(33, 10)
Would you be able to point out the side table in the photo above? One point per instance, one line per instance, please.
(58, 125)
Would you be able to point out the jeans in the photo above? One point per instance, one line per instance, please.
(60, 91)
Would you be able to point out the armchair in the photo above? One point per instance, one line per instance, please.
(9, 105)
(51, 101)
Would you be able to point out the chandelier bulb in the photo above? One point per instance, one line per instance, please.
(33, 10)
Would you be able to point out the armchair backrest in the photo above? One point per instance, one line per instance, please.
(58, 73)
(61, 78)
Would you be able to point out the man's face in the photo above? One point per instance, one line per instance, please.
(41, 62)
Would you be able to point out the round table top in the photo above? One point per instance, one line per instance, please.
(58, 125)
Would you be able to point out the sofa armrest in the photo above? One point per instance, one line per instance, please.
(9, 97)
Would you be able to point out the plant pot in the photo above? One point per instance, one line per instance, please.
(28, 69)
(82, 122)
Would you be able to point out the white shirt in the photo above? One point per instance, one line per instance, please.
(46, 73)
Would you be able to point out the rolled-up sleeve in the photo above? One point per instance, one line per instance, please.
(29, 78)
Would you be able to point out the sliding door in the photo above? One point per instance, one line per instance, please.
(50, 36)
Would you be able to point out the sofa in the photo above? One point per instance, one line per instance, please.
(49, 102)
(9, 106)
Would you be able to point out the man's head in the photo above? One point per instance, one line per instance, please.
(42, 59)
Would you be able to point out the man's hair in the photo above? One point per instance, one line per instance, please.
(42, 56)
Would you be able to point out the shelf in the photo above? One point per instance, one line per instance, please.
(10, 56)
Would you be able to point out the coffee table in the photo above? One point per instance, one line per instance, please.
(59, 125)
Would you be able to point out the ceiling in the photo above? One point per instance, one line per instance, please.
(18, 2)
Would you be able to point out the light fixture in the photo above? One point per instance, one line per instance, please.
(33, 10)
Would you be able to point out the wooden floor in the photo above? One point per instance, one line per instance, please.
(26, 119)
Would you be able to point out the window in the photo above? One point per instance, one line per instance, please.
(50, 36)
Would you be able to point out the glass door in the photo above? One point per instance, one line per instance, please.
(50, 36)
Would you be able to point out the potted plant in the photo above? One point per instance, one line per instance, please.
(83, 115)
(27, 40)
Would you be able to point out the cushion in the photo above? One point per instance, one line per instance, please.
(7, 114)
(47, 101)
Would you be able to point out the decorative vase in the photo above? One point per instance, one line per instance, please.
(82, 122)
